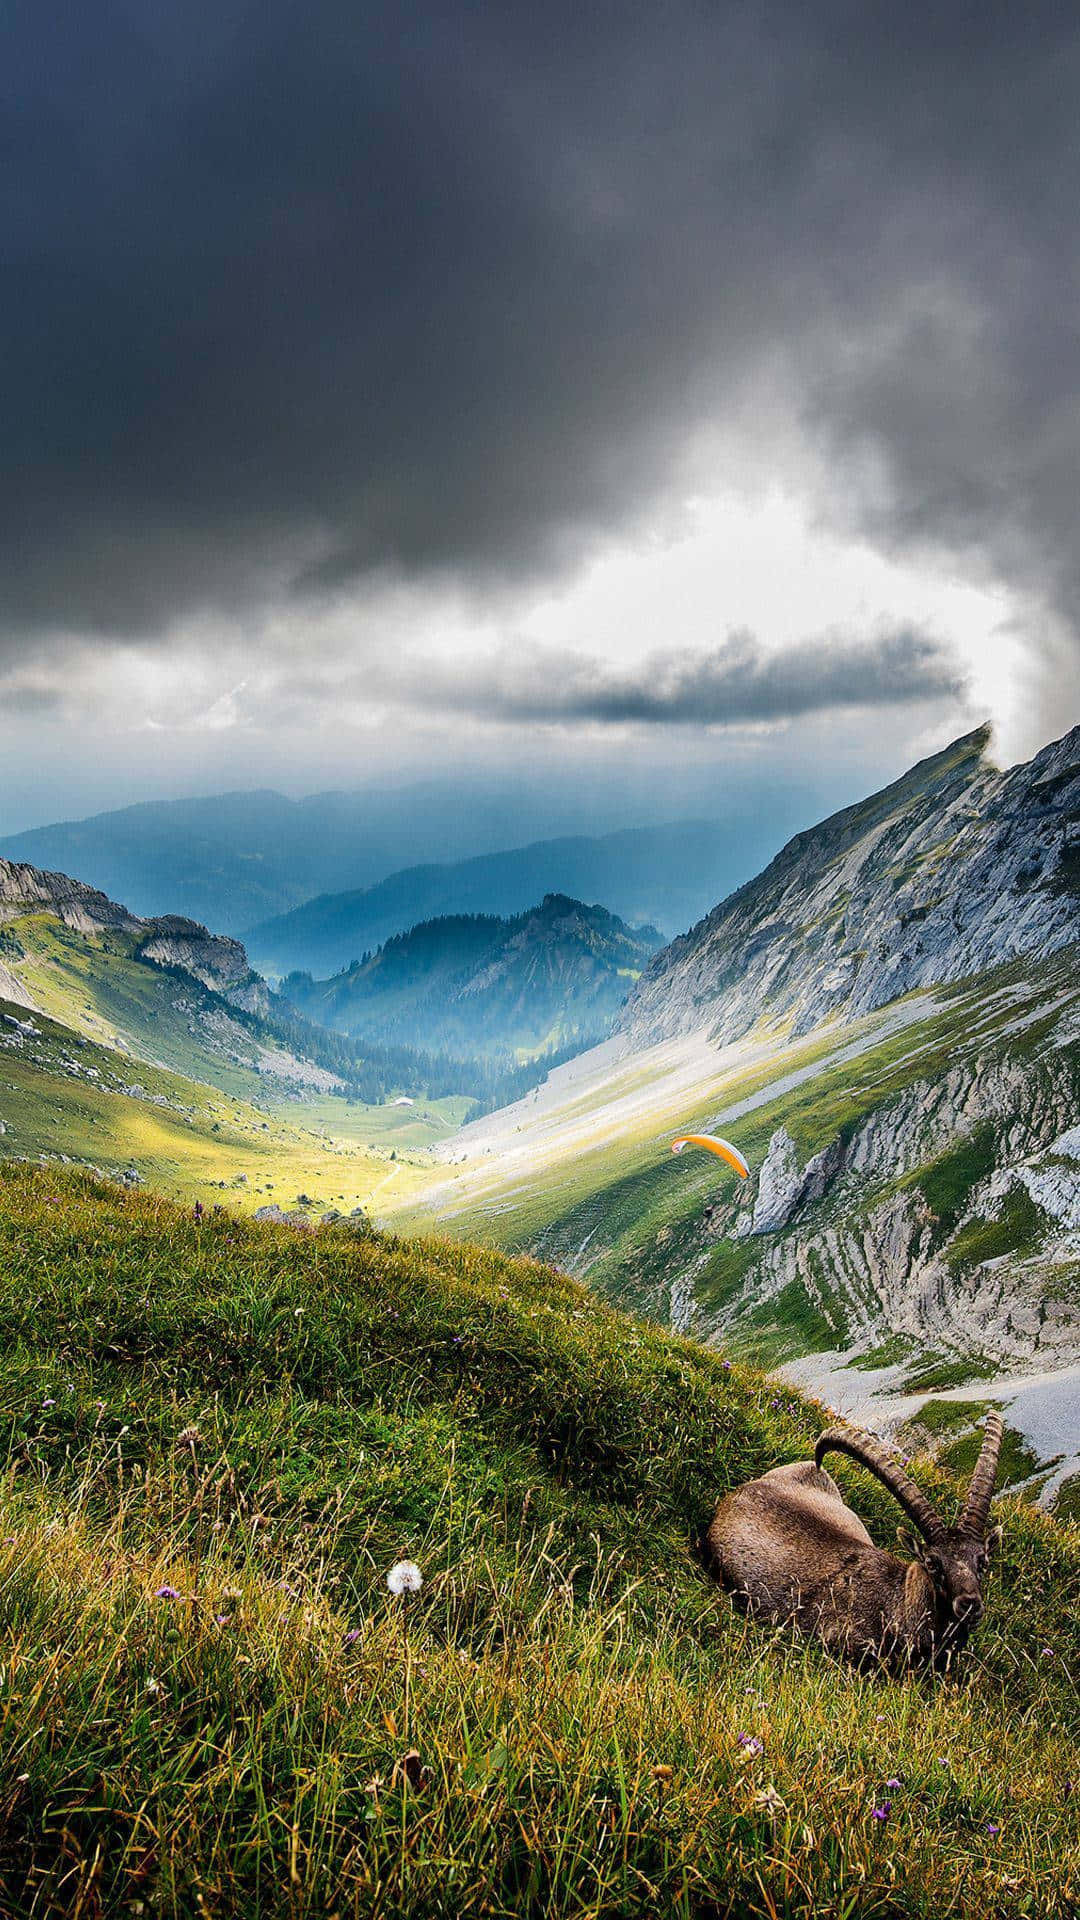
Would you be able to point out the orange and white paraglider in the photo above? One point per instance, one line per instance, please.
(713, 1144)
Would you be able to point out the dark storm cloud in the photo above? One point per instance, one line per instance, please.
(293, 295)
(736, 683)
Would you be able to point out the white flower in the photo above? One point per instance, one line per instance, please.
(404, 1577)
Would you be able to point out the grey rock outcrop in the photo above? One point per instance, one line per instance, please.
(779, 1184)
(168, 941)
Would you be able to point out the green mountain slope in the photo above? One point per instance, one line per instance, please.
(661, 876)
(220, 1437)
(475, 984)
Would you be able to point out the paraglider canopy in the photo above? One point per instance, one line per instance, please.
(713, 1144)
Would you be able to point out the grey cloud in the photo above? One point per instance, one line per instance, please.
(738, 683)
(298, 295)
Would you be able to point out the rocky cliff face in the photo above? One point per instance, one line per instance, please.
(219, 963)
(950, 1216)
(951, 871)
(26, 889)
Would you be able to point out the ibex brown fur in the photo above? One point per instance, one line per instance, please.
(789, 1549)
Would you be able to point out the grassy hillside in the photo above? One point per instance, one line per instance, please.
(474, 984)
(64, 1097)
(218, 1440)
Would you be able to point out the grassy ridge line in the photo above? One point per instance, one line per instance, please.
(260, 1422)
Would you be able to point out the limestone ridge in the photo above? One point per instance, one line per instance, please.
(952, 870)
(169, 942)
(855, 1230)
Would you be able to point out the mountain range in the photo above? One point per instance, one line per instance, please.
(238, 860)
(649, 876)
(887, 1020)
(474, 984)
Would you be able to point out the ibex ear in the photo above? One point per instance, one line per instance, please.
(909, 1542)
(993, 1540)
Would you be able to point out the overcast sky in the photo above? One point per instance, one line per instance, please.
(656, 391)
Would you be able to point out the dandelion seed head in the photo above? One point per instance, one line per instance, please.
(404, 1577)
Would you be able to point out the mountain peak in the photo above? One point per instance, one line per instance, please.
(953, 868)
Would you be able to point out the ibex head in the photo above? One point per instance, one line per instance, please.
(956, 1557)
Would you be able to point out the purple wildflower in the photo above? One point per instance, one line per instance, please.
(990, 1827)
(1048, 1653)
(749, 1743)
(353, 1634)
(166, 1593)
(882, 1812)
(48, 1403)
(893, 1786)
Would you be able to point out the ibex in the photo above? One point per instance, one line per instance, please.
(789, 1550)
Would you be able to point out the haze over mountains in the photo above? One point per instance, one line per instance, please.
(235, 860)
(648, 876)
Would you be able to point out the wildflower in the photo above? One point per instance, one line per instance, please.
(153, 1686)
(1048, 1653)
(991, 1828)
(166, 1593)
(882, 1812)
(353, 1634)
(767, 1800)
(749, 1743)
(404, 1577)
(48, 1403)
(893, 1786)
(221, 1619)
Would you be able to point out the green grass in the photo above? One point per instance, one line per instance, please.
(947, 1182)
(1017, 1230)
(262, 1421)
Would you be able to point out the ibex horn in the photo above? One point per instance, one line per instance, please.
(862, 1448)
(977, 1505)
